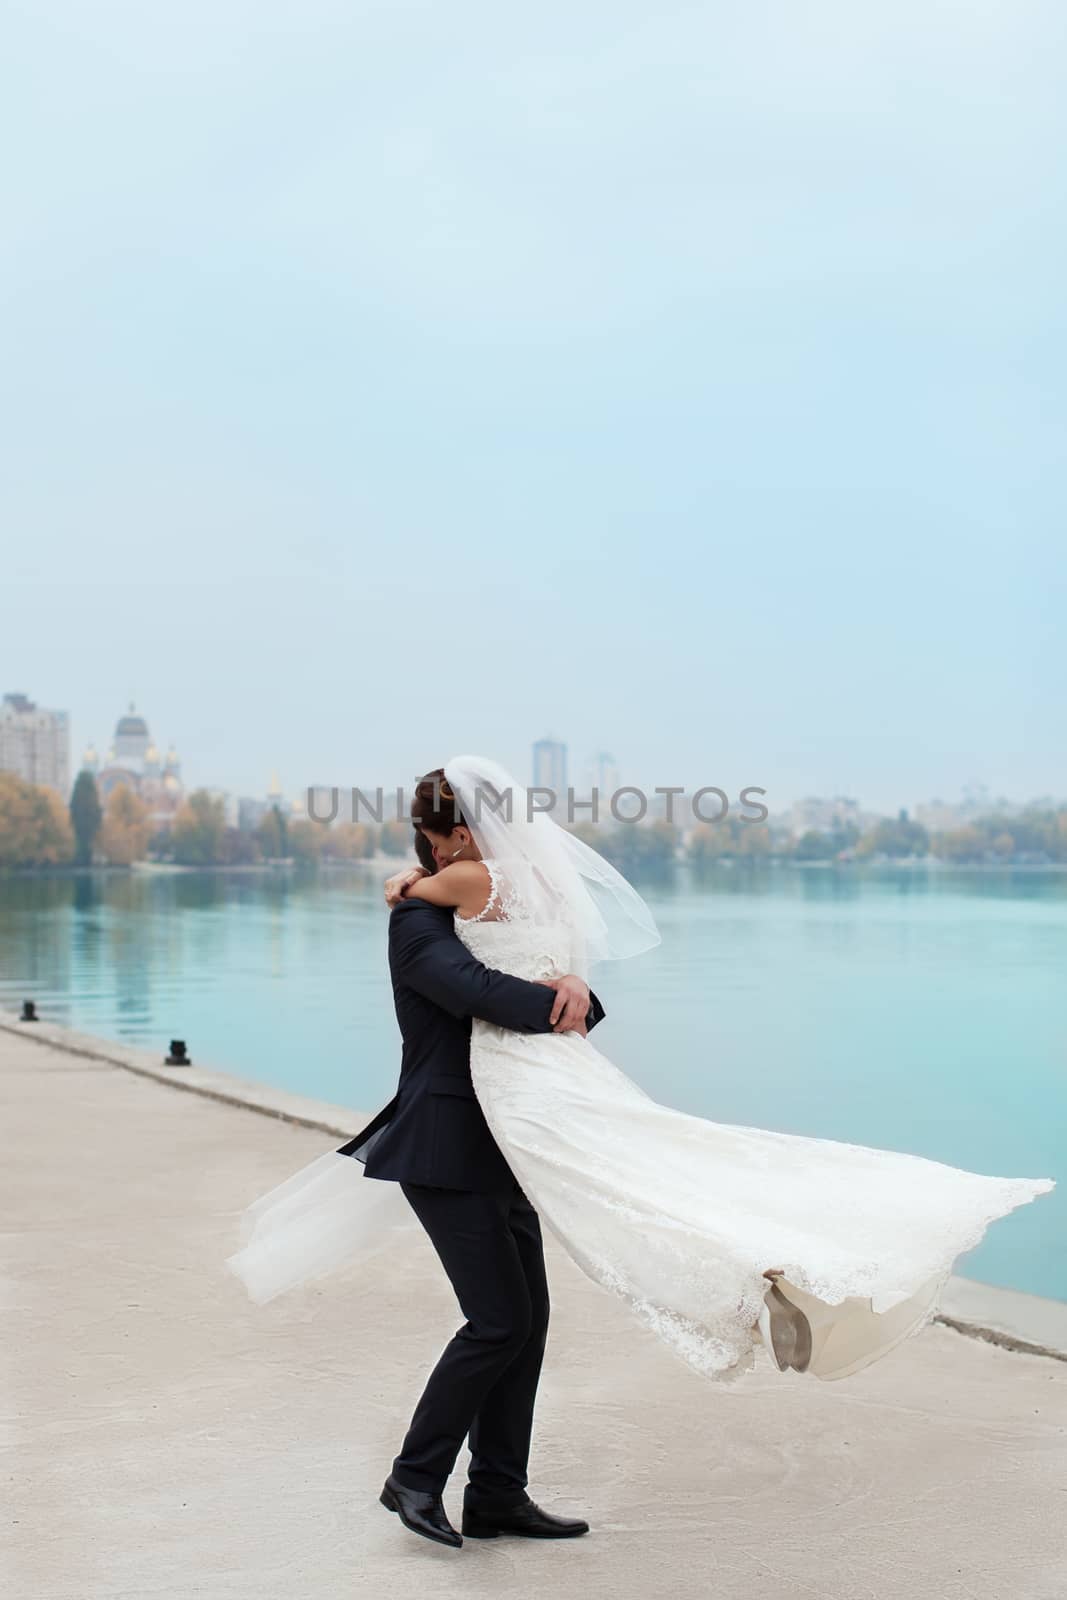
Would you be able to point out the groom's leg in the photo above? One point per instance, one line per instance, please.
(478, 1249)
(500, 1434)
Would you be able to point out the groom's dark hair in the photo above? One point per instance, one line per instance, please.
(434, 806)
(424, 851)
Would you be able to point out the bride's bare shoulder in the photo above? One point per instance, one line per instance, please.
(464, 885)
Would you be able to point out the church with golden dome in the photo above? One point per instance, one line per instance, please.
(134, 761)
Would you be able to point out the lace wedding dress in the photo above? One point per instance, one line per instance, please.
(681, 1217)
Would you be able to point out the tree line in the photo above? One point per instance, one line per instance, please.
(38, 831)
(1036, 836)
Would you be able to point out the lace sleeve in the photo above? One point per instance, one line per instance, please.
(495, 902)
(505, 903)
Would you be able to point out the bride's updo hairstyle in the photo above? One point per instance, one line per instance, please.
(434, 806)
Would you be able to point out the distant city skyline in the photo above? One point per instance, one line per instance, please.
(549, 763)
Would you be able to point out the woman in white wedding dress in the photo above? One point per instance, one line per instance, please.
(719, 1237)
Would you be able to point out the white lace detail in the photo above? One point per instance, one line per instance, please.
(503, 901)
(506, 903)
(493, 903)
(680, 1216)
(510, 940)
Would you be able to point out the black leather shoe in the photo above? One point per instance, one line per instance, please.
(526, 1519)
(421, 1512)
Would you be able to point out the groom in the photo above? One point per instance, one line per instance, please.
(434, 1141)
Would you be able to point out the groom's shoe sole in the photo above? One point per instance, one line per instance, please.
(391, 1503)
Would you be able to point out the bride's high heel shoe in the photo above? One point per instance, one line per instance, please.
(784, 1328)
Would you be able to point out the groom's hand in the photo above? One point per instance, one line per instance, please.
(571, 1005)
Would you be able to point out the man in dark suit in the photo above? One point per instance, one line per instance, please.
(434, 1141)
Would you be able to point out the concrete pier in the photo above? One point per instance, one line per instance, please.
(165, 1437)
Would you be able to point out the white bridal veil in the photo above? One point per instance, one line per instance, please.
(554, 875)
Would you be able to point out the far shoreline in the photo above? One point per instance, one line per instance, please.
(380, 862)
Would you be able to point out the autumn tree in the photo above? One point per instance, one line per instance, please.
(632, 847)
(124, 833)
(199, 830)
(35, 828)
(959, 844)
(305, 840)
(728, 837)
(346, 841)
(815, 845)
(238, 849)
(394, 838)
(898, 838)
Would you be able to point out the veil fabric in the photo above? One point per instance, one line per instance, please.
(551, 875)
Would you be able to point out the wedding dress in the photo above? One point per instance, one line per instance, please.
(681, 1217)
(719, 1237)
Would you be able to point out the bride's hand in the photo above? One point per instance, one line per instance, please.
(397, 886)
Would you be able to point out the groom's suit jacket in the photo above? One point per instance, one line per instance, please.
(433, 1131)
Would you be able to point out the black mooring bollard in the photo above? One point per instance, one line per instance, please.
(29, 1012)
(177, 1057)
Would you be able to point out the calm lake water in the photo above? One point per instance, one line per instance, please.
(914, 1010)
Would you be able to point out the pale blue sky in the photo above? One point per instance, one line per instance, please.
(385, 381)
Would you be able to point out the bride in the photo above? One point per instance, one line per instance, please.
(719, 1237)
